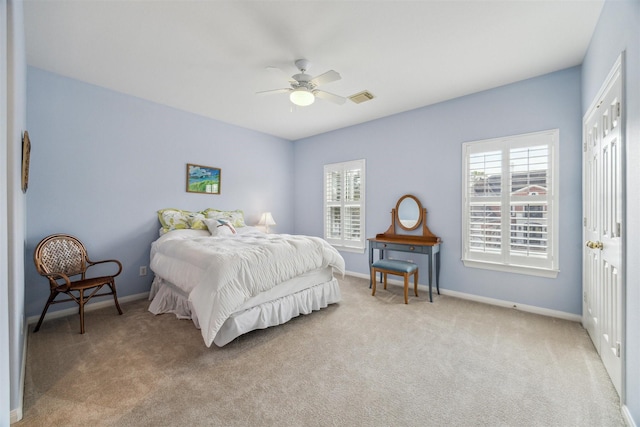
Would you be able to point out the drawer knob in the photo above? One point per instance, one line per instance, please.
(385, 245)
(411, 248)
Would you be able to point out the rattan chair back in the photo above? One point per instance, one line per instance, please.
(61, 253)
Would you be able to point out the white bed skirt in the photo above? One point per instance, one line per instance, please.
(258, 313)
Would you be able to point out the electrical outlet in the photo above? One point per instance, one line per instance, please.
(143, 270)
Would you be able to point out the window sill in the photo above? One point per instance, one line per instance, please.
(349, 249)
(530, 271)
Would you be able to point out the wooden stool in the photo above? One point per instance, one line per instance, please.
(398, 268)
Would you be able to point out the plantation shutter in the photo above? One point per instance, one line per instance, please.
(530, 180)
(352, 229)
(509, 203)
(333, 203)
(485, 197)
(344, 204)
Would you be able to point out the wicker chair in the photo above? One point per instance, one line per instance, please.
(60, 257)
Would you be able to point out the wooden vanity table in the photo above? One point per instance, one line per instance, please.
(409, 215)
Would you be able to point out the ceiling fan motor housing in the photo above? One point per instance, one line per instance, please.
(304, 80)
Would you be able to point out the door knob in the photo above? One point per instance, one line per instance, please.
(594, 245)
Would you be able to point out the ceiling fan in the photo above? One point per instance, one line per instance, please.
(304, 88)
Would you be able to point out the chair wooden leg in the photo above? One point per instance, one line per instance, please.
(406, 288)
(52, 296)
(384, 274)
(415, 282)
(373, 282)
(112, 285)
(81, 302)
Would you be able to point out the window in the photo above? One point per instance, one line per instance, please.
(344, 205)
(510, 204)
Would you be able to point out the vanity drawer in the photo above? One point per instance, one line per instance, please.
(402, 248)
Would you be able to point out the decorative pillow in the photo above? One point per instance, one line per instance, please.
(236, 218)
(219, 227)
(196, 221)
(177, 219)
(212, 225)
(225, 225)
(173, 219)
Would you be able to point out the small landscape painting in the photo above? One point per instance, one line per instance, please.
(203, 179)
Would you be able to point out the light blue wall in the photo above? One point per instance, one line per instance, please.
(619, 30)
(103, 163)
(419, 152)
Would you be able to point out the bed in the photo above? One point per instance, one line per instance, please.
(229, 278)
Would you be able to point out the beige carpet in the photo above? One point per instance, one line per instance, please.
(368, 361)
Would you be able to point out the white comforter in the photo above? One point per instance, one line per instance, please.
(221, 273)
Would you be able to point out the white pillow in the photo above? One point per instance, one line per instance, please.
(219, 227)
(235, 217)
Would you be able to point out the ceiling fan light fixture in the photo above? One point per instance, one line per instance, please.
(302, 97)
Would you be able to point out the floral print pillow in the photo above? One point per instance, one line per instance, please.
(177, 219)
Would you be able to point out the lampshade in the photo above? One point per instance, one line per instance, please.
(267, 220)
(302, 97)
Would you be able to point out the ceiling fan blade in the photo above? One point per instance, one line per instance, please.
(328, 77)
(273, 91)
(329, 97)
(281, 74)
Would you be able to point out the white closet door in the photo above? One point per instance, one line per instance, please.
(603, 225)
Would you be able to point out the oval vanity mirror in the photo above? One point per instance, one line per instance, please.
(409, 212)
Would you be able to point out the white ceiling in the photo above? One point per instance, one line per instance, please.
(210, 57)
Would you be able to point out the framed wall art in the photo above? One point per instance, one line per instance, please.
(26, 154)
(203, 179)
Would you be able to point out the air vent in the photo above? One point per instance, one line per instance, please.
(361, 97)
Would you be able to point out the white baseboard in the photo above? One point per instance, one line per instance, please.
(15, 415)
(627, 417)
(491, 301)
(89, 307)
(354, 274)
